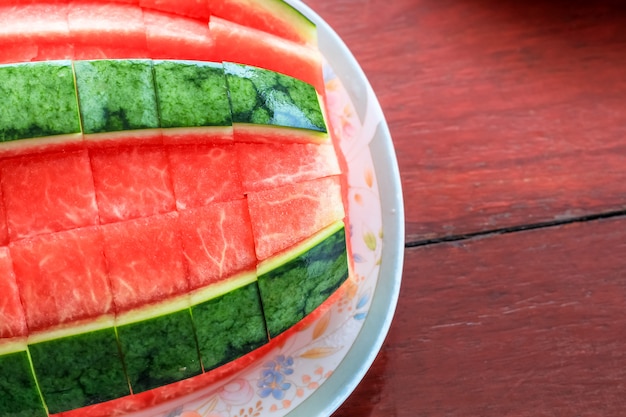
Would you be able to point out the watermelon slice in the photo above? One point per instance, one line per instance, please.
(245, 45)
(78, 366)
(158, 345)
(177, 37)
(273, 16)
(34, 32)
(59, 185)
(145, 260)
(117, 96)
(131, 182)
(197, 9)
(19, 395)
(203, 174)
(291, 162)
(62, 277)
(12, 320)
(217, 242)
(300, 280)
(39, 101)
(101, 30)
(193, 102)
(312, 205)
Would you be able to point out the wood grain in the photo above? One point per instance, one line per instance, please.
(502, 113)
(521, 324)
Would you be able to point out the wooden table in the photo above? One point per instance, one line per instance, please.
(509, 121)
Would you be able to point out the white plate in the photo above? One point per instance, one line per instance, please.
(317, 368)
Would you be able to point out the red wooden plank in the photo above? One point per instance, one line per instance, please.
(519, 324)
(502, 113)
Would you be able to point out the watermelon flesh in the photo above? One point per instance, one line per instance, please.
(146, 211)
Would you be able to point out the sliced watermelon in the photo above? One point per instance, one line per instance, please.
(244, 45)
(39, 101)
(19, 395)
(116, 95)
(34, 32)
(204, 174)
(78, 366)
(62, 277)
(158, 345)
(193, 102)
(145, 260)
(217, 242)
(177, 37)
(101, 30)
(12, 319)
(260, 97)
(48, 193)
(290, 163)
(273, 16)
(197, 9)
(229, 325)
(305, 208)
(131, 182)
(300, 280)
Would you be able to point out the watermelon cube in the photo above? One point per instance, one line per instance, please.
(217, 241)
(145, 260)
(262, 97)
(290, 163)
(131, 182)
(193, 101)
(300, 281)
(203, 174)
(284, 216)
(104, 30)
(229, 325)
(116, 95)
(19, 395)
(38, 100)
(48, 193)
(177, 37)
(79, 367)
(34, 32)
(158, 345)
(62, 277)
(12, 319)
(235, 42)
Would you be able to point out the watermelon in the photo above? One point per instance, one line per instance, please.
(171, 201)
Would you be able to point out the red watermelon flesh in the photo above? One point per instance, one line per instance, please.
(34, 32)
(217, 241)
(107, 30)
(204, 174)
(275, 17)
(245, 45)
(12, 320)
(48, 193)
(131, 182)
(177, 37)
(290, 163)
(283, 216)
(197, 9)
(62, 277)
(147, 247)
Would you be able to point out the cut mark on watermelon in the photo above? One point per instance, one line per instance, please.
(198, 9)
